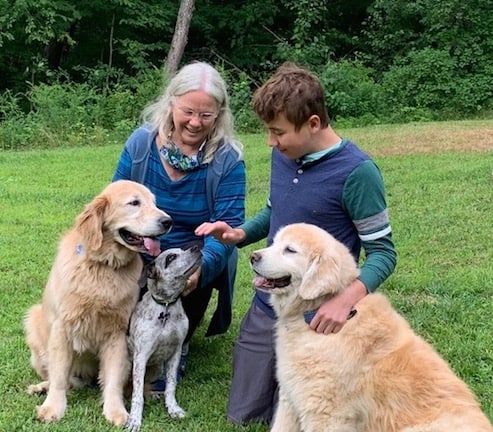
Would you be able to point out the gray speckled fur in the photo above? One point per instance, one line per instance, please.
(157, 329)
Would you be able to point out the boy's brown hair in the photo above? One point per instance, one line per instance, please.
(293, 91)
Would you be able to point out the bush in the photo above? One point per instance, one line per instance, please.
(429, 80)
(241, 105)
(351, 92)
(70, 114)
(426, 85)
(64, 107)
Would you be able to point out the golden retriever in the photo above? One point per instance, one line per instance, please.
(375, 375)
(78, 332)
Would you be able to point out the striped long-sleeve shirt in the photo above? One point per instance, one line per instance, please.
(185, 200)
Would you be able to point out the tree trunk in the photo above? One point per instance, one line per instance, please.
(180, 37)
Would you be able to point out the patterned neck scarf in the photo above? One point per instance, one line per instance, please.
(174, 156)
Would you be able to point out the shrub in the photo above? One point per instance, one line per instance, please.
(350, 91)
(241, 105)
(430, 80)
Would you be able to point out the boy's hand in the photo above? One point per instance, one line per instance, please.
(334, 313)
(221, 231)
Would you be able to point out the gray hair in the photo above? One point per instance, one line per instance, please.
(191, 77)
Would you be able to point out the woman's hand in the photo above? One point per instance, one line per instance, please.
(221, 231)
(192, 282)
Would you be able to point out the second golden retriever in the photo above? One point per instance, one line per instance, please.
(78, 332)
(375, 375)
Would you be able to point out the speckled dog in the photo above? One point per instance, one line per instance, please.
(158, 328)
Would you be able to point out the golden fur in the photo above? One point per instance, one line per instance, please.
(375, 375)
(78, 333)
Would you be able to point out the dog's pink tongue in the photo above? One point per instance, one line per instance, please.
(259, 281)
(152, 245)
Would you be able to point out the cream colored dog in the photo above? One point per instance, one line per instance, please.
(375, 375)
(78, 333)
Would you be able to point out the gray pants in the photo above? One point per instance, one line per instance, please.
(253, 392)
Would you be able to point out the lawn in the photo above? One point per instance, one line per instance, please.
(439, 180)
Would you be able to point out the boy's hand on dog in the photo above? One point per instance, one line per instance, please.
(332, 315)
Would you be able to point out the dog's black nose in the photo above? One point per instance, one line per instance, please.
(166, 223)
(255, 257)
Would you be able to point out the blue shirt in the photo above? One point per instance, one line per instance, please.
(185, 200)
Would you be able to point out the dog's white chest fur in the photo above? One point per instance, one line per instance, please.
(157, 329)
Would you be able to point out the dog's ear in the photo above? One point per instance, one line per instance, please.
(90, 222)
(327, 274)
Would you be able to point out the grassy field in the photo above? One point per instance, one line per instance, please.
(439, 179)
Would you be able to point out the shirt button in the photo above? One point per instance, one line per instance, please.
(295, 180)
(300, 171)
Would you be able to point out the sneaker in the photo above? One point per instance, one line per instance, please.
(158, 387)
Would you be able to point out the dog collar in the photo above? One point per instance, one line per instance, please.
(308, 316)
(164, 302)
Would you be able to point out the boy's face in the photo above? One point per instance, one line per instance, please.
(282, 135)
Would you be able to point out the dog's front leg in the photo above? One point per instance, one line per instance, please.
(134, 421)
(60, 359)
(285, 419)
(113, 375)
(172, 364)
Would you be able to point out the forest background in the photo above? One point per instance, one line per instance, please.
(79, 73)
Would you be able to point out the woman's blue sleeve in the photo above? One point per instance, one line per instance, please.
(124, 166)
(229, 206)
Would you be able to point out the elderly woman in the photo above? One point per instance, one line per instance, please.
(187, 155)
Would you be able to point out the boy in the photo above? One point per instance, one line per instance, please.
(316, 177)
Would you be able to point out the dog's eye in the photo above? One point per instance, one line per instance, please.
(170, 258)
(135, 202)
(290, 250)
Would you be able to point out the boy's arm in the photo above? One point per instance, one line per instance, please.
(364, 201)
(257, 227)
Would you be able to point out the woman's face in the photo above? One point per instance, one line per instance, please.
(194, 115)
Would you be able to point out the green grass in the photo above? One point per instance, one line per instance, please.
(440, 197)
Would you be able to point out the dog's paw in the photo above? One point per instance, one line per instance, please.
(176, 412)
(133, 424)
(49, 413)
(116, 417)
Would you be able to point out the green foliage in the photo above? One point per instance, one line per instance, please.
(433, 56)
(239, 88)
(71, 114)
(396, 28)
(351, 92)
(307, 46)
(241, 35)
(321, 30)
(10, 105)
(428, 80)
(380, 60)
(43, 36)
